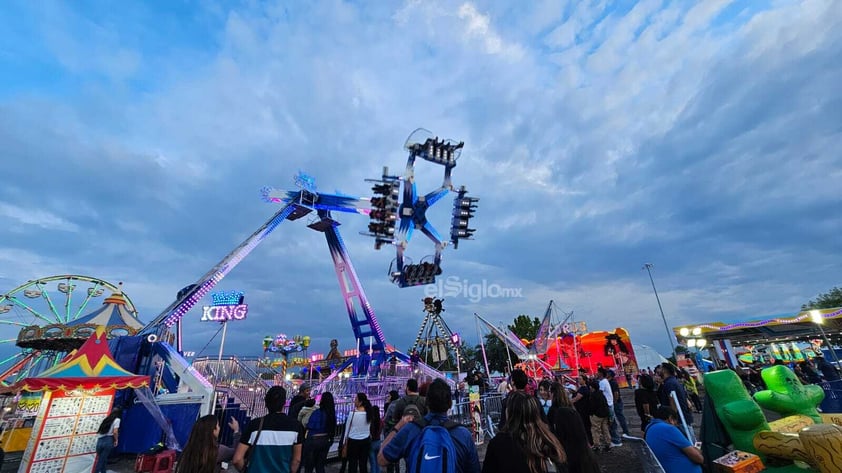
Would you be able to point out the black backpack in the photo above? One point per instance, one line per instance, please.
(598, 404)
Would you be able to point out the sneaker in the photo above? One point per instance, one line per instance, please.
(616, 444)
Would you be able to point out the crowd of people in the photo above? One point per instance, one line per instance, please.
(538, 434)
(551, 425)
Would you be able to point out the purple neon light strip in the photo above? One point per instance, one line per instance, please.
(366, 306)
(769, 321)
(238, 256)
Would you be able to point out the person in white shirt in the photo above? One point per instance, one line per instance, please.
(107, 437)
(358, 426)
(605, 387)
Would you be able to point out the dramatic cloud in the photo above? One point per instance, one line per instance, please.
(599, 137)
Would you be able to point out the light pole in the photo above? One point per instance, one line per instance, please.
(819, 320)
(648, 268)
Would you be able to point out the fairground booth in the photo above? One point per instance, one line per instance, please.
(790, 338)
(780, 422)
(75, 396)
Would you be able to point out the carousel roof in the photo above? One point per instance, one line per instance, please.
(92, 366)
(112, 313)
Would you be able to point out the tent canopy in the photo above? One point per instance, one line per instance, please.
(113, 313)
(647, 357)
(90, 367)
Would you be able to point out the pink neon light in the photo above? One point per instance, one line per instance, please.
(769, 321)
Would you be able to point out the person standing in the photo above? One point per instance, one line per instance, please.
(276, 438)
(830, 372)
(321, 427)
(400, 441)
(519, 381)
(358, 425)
(672, 385)
(525, 443)
(619, 415)
(568, 427)
(608, 393)
(545, 396)
(672, 449)
(600, 415)
(107, 438)
(645, 400)
(203, 453)
(581, 403)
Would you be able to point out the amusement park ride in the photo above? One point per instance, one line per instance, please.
(395, 212)
(531, 353)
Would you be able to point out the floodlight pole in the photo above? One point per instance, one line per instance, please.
(648, 267)
(819, 320)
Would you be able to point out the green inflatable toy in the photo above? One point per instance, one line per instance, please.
(787, 396)
(740, 415)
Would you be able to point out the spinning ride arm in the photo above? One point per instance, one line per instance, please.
(192, 294)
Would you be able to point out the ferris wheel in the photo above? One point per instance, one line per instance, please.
(48, 306)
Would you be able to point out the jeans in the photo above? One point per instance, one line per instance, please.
(612, 426)
(372, 456)
(315, 453)
(358, 455)
(620, 417)
(104, 445)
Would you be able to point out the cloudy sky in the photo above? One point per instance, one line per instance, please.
(703, 137)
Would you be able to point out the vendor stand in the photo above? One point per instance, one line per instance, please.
(77, 394)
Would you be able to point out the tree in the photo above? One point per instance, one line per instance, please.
(498, 360)
(829, 300)
(524, 327)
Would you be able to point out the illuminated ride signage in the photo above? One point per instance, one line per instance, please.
(225, 306)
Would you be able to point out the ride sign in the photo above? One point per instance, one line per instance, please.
(226, 306)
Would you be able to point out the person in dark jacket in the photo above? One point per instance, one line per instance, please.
(830, 372)
(645, 400)
(568, 427)
(600, 418)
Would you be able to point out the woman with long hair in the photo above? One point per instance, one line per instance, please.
(525, 443)
(203, 453)
(358, 426)
(567, 425)
(321, 427)
(107, 437)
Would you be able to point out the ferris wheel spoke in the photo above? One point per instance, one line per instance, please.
(12, 358)
(67, 301)
(49, 302)
(30, 309)
(12, 322)
(32, 364)
(91, 292)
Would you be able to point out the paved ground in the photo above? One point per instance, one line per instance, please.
(625, 459)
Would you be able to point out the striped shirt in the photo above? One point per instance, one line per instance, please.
(273, 452)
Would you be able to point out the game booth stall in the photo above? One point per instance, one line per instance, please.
(76, 395)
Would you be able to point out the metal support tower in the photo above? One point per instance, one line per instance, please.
(434, 327)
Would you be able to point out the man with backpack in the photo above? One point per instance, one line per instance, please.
(412, 401)
(433, 443)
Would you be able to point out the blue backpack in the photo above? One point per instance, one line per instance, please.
(433, 450)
